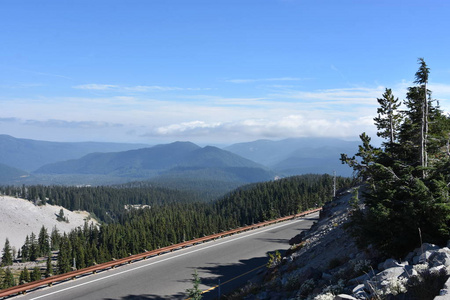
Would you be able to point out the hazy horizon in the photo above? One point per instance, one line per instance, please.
(212, 72)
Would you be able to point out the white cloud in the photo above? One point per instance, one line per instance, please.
(183, 127)
(290, 126)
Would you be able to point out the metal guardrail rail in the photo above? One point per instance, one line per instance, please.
(22, 289)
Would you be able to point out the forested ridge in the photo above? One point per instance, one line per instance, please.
(172, 217)
(104, 202)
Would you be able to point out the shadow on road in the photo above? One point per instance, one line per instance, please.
(149, 297)
(232, 276)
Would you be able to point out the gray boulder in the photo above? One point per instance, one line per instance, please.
(383, 279)
(390, 263)
(422, 258)
(440, 257)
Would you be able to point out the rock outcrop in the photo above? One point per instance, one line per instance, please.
(324, 263)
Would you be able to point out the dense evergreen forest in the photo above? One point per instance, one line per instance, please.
(408, 178)
(104, 202)
(172, 217)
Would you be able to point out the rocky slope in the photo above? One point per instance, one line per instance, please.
(19, 218)
(324, 263)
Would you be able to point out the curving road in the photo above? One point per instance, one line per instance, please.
(232, 260)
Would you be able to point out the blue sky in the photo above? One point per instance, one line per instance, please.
(212, 72)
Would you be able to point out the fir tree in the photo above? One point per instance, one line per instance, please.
(64, 256)
(36, 274)
(7, 258)
(26, 250)
(55, 239)
(24, 276)
(8, 279)
(49, 266)
(195, 293)
(43, 242)
(389, 118)
(34, 252)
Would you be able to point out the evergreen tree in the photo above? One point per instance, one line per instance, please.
(7, 258)
(36, 274)
(26, 250)
(43, 242)
(389, 117)
(49, 266)
(55, 239)
(34, 253)
(24, 276)
(64, 256)
(8, 279)
(195, 293)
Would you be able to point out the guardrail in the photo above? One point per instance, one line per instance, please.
(22, 289)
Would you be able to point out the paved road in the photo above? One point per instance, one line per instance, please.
(169, 275)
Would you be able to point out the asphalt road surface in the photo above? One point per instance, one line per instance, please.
(231, 260)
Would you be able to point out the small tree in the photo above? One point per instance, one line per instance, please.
(61, 217)
(195, 293)
(43, 241)
(55, 239)
(8, 279)
(63, 262)
(7, 258)
(36, 274)
(25, 254)
(24, 276)
(49, 266)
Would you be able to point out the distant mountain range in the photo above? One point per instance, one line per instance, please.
(28, 155)
(297, 156)
(165, 160)
(29, 161)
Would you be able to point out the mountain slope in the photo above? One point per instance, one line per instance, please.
(298, 155)
(28, 155)
(9, 174)
(179, 159)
